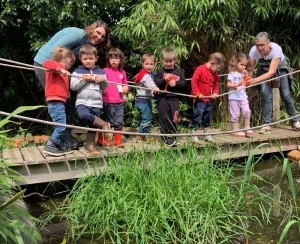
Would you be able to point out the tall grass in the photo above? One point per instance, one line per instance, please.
(164, 196)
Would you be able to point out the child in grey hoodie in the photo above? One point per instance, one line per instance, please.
(144, 79)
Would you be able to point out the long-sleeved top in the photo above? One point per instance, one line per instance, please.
(160, 81)
(145, 82)
(57, 85)
(88, 93)
(70, 37)
(204, 82)
(112, 93)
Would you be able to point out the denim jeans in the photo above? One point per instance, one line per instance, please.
(57, 109)
(285, 94)
(202, 114)
(145, 108)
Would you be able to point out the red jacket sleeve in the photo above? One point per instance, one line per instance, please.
(52, 65)
(195, 81)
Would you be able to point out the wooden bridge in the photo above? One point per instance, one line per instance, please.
(36, 167)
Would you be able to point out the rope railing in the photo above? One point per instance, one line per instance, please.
(144, 134)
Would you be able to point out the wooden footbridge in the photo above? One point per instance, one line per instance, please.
(36, 167)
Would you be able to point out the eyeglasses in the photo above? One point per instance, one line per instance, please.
(260, 45)
(102, 37)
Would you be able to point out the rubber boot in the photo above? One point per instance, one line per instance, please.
(118, 142)
(208, 138)
(90, 144)
(235, 126)
(247, 126)
(102, 136)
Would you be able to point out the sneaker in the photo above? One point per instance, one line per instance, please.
(51, 148)
(194, 139)
(73, 143)
(265, 130)
(249, 132)
(296, 126)
(171, 142)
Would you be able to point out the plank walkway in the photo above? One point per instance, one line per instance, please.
(36, 167)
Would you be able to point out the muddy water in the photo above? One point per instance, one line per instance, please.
(268, 233)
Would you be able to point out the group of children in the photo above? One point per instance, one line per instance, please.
(99, 89)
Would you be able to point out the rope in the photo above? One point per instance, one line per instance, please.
(143, 134)
(116, 83)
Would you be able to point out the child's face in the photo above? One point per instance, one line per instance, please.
(241, 66)
(67, 62)
(88, 60)
(169, 63)
(148, 64)
(216, 68)
(114, 62)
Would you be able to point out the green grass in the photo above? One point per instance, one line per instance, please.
(165, 196)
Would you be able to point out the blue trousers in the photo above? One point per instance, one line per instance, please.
(87, 114)
(57, 111)
(202, 114)
(144, 106)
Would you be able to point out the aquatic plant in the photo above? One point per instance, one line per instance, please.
(165, 196)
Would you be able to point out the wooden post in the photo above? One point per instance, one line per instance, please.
(276, 104)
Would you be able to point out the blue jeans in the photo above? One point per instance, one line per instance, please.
(285, 94)
(202, 114)
(145, 108)
(57, 109)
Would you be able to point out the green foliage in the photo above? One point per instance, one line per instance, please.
(164, 196)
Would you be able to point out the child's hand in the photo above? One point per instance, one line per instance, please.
(245, 72)
(125, 89)
(98, 78)
(64, 72)
(214, 95)
(172, 83)
(156, 89)
(168, 77)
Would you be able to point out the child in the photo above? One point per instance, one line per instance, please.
(144, 79)
(171, 79)
(238, 100)
(205, 87)
(113, 95)
(57, 93)
(89, 81)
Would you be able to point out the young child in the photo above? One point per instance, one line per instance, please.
(113, 95)
(89, 81)
(57, 93)
(238, 100)
(171, 79)
(205, 87)
(144, 79)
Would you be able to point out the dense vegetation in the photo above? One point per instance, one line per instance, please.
(193, 28)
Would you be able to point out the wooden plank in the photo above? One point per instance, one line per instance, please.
(76, 155)
(32, 155)
(13, 156)
(103, 153)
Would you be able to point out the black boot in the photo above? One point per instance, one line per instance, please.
(73, 143)
(64, 146)
(52, 148)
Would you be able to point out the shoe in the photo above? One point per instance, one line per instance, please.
(265, 130)
(51, 148)
(247, 126)
(296, 126)
(194, 139)
(117, 141)
(235, 126)
(170, 141)
(208, 138)
(139, 139)
(149, 139)
(103, 140)
(73, 143)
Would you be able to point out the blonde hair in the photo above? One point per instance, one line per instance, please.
(61, 53)
(115, 53)
(168, 54)
(89, 31)
(88, 49)
(148, 56)
(235, 59)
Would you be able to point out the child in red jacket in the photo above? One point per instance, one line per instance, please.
(57, 93)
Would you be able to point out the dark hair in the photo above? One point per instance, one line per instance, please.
(61, 53)
(115, 53)
(235, 60)
(88, 49)
(89, 31)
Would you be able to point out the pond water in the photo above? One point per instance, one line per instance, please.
(266, 233)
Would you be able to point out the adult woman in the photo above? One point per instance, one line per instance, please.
(72, 38)
(271, 62)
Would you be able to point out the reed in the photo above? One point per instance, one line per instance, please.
(165, 196)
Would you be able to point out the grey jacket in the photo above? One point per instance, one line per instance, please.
(146, 82)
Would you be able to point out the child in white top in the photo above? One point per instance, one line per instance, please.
(238, 100)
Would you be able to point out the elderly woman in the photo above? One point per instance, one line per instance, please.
(271, 63)
(72, 38)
